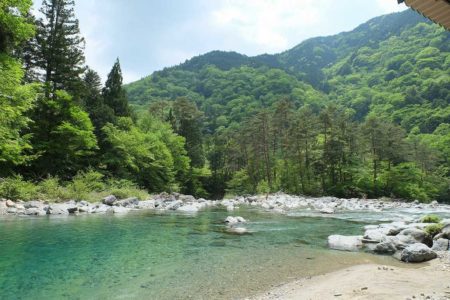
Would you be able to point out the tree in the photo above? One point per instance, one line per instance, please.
(60, 47)
(16, 99)
(93, 102)
(188, 125)
(114, 95)
(63, 137)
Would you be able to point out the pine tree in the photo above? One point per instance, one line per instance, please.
(93, 102)
(113, 93)
(60, 47)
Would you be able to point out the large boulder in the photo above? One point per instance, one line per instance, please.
(446, 231)
(414, 235)
(375, 235)
(109, 200)
(441, 245)
(345, 243)
(58, 209)
(189, 208)
(417, 252)
(10, 203)
(386, 247)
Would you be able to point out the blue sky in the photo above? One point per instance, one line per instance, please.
(148, 35)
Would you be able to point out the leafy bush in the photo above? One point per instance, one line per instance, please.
(15, 188)
(51, 189)
(434, 229)
(263, 187)
(431, 219)
(85, 183)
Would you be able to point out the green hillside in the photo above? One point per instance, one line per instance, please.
(393, 69)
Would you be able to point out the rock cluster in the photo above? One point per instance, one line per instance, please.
(408, 242)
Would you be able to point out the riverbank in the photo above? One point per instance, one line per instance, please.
(277, 203)
(372, 281)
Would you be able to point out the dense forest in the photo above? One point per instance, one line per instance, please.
(360, 114)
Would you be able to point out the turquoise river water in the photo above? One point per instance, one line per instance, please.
(148, 255)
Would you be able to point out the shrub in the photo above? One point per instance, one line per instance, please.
(431, 219)
(434, 229)
(15, 188)
(51, 189)
(85, 183)
(263, 187)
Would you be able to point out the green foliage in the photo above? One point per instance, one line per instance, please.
(14, 26)
(263, 187)
(434, 229)
(430, 219)
(240, 183)
(59, 119)
(16, 188)
(114, 95)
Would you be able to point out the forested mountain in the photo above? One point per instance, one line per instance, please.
(393, 69)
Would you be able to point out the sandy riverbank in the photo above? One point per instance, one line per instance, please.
(370, 281)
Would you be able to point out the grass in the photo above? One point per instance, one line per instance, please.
(434, 229)
(90, 186)
(431, 219)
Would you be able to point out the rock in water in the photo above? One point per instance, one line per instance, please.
(345, 243)
(327, 210)
(109, 200)
(417, 253)
(234, 220)
(237, 230)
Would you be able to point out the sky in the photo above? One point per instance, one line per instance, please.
(148, 35)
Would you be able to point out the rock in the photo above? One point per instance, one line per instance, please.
(35, 211)
(101, 209)
(190, 208)
(58, 209)
(120, 210)
(128, 202)
(234, 220)
(327, 210)
(346, 243)
(385, 247)
(10, 203)
(414, 235)
(240, 219)
(72, 209)
(237, 230)
(230, 207)
(33, 204)
(446, 231)
(174, 205)
(109, 200)
(375, 235)
(186, 198)
(11, 210)
(20, 206)
(417, 253)
(147, 204)
(441, 245)
(85, 209)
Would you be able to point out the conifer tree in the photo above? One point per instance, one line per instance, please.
(113, 93)
(60, 47)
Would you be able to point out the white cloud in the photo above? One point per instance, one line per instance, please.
(267, 23)
(388, 6)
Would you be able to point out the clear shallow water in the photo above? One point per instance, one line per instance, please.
(145, 255)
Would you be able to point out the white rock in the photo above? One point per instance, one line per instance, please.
(345, 243)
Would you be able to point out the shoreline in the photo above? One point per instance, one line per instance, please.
(371, 281)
